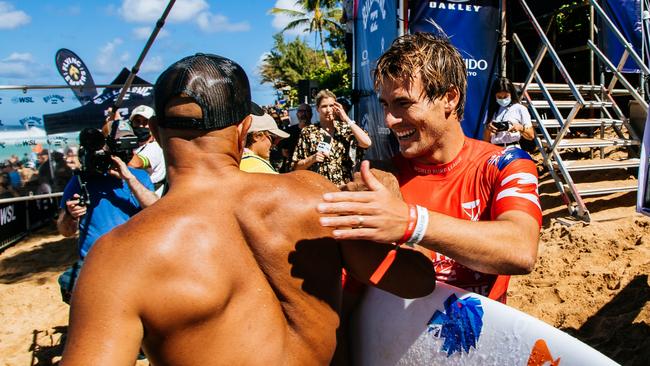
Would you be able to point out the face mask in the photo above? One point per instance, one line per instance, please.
(504, 102)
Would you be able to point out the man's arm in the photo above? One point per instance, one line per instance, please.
(145, 196)
(105, 327)
(507, 245)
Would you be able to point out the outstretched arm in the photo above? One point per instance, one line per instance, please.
(507, 245)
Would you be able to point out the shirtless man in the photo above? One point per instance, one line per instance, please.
(228, 268)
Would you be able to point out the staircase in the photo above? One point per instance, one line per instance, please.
(586, 142)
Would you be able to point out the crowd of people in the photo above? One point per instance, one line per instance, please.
(226, 258)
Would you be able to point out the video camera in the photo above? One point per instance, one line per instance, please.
(95, 150)
(501, 125)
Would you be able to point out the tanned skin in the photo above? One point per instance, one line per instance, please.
(228, 268)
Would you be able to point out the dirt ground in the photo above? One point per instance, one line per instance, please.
(590, 280)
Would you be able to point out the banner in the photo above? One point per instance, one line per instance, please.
(473, 27)
(374, 29)
(13, 223)
(75, 73)
(626, 16)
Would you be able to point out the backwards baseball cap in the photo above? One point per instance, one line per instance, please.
(217, 84)
(266, 123)
(142, 110)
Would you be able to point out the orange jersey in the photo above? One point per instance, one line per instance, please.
(481, 183)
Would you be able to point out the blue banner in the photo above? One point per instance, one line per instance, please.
(643, 194)
(375, 29)
(626, 15)
(473, 27)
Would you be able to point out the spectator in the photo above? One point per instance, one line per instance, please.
(228, 257)
(45, 173)
(114, 197)
(149, 155)
(72, 157)
(288, 145)
(480, 202)
(510, 120)
(261, 136)
(330, 148)
(62, 172)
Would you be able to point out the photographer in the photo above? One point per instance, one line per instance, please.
(105, 193)
(510, 120)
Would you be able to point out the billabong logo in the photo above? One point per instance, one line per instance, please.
(460, 324)
(373, 15)
(18, 100)
(30, 121)
(53, 99)
(58, 141)
(73, 71)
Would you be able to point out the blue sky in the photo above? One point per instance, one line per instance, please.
(110, 34)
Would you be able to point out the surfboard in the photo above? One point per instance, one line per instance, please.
(454, 327)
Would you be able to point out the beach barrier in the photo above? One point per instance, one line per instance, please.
(20, 215)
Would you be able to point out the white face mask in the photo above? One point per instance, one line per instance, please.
(504, 102)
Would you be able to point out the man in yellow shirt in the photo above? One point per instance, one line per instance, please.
(263, 133)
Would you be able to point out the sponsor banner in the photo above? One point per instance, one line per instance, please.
(13, 222)
(75, 73)
(473, 27)
(626, 16)
(375, 29)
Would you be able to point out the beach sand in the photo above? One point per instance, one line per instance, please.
(590, 280)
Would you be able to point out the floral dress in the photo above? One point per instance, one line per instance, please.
(339, 165)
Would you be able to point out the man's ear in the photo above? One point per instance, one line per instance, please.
(452, 98)
(153, 128)
(242, 129)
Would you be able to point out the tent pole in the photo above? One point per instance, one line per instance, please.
(503, 39)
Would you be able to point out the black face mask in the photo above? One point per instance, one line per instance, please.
(142, 133)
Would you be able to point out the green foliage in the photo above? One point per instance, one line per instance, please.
(287, 63)
(337, 78)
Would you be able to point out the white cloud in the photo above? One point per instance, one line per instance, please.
(281, 20)
(152, 64)
(144, 33)
(19, 65)
(110, 60)
(209, 23)
(10, 18)
(146, 11)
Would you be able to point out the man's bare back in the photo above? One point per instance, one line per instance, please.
(227, 268)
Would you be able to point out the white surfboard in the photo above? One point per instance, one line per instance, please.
(455, 327)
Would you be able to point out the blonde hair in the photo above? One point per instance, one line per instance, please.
(437, 61)
(325, 93)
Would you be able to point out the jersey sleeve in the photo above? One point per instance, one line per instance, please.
(516, 184)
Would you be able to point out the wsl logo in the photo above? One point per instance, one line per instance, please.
(31, 121)
(22, 100)
(73, 71)
(53, 99)
(373, 15)
(454, 5)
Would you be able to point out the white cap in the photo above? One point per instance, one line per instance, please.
(142, 110)
(266, 123)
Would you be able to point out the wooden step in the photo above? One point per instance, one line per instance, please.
(568, 143)
(564, 88)
(583, 122)
(606, 187)
(569, 104)
(598, 164)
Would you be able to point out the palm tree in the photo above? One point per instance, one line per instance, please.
(318, 15)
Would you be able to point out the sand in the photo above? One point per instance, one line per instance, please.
(590, 280)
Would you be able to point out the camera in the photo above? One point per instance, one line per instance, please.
(501, 125)
(95, 149)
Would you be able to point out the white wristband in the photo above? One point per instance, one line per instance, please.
(351, 122)
(420, 227)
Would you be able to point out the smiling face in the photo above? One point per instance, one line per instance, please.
(418, 123)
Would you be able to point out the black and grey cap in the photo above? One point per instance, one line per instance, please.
(217, 84)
